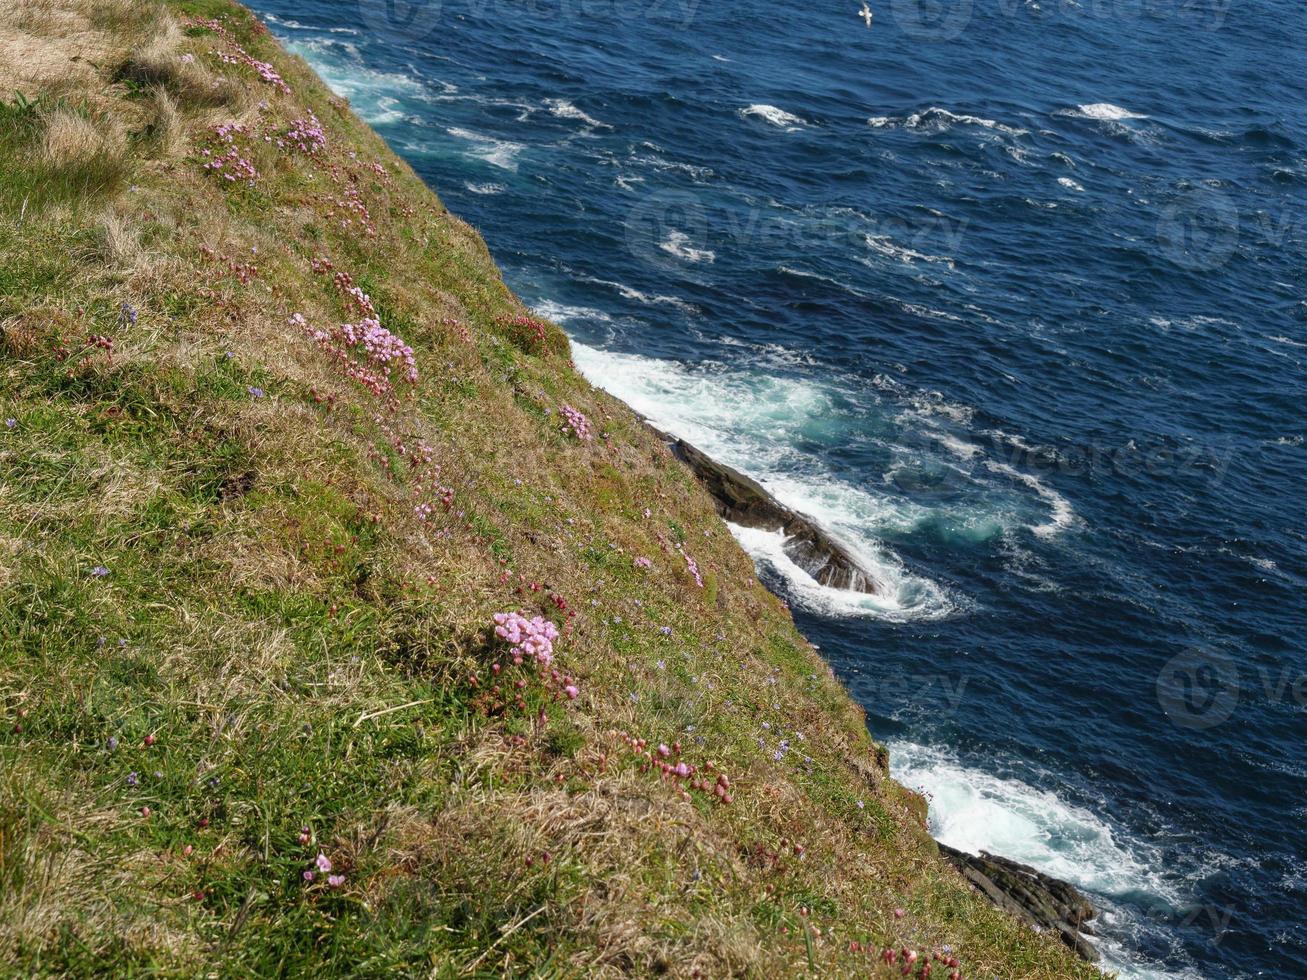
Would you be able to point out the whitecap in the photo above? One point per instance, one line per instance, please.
(937, 120)
(561, 313)
(499, 153)
(777, 117)
(647, 299)
(884, 245)
(566, 110)
(485, 188)
(1070, 184)
(790, 270)
(677, 243)
(1104, 112)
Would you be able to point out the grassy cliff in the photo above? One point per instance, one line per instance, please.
(276, 446)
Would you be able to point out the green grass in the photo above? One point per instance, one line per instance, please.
(305, 651)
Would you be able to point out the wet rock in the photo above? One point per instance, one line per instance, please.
(743, 501)
(1043, 901)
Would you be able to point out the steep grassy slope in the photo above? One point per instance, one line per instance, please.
(250, 560)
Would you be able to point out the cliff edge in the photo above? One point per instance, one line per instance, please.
(345, 629)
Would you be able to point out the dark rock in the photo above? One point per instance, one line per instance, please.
(1043, 901)
(743, 501)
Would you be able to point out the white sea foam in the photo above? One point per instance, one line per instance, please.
(658, 162)
(499, 153)
(884, 245)
(387, 111)
(753, 422)
(1070, 184)
(1104, 112)
(818, 277)
(295, 25)
(677, 243)
(937, 120)
(646, 298)
(566, 110)
(975, 811)
(900, 597)
(375, 95)
(560, 313)
(757, 420)
(485, 188)
(777, 117)
(1062, 514)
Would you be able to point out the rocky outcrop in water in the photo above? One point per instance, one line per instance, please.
(743, 501)
(1044, 902)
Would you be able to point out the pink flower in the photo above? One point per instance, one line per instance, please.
(323, 863)
(643, 563)
(534, 637)
(571, 691)
(335, 881)
(577, 422)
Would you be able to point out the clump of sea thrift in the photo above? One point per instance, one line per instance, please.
(693, 566)
(576, 422)
(529, 637)
(305, 136)
(666, 761)
(230, 160)
(531, 641)
(237, 55)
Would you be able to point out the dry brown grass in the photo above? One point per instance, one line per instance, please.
(73, 139)
(53, 46)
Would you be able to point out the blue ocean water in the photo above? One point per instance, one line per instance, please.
(1009, 295)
